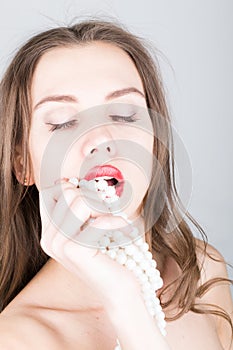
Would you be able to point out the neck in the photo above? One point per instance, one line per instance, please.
(63, 289)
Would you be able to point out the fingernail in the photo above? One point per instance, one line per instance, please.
(63, 179)
(74, 181)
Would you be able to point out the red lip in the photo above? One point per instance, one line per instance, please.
(107, 170)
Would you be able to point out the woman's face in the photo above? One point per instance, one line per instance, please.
(86, 87)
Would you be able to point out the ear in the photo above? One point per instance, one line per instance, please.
(18, 168)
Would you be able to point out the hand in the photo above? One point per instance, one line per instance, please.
(111, 281)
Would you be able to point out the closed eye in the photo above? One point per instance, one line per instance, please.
(130, 118)
(70, 124)
(66, 125)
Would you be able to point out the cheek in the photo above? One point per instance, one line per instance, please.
(72, 162)
(37, 149)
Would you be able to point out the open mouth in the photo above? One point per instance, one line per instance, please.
(108, 179)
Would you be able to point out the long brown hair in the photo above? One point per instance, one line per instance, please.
(21, 256)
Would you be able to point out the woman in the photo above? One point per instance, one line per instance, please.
(56, 293)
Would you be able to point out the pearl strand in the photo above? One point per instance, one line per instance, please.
(134, 256)
(138, 259)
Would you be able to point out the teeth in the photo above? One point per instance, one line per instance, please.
(101, 185)
(103, 177)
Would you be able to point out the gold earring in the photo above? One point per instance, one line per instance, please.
(25, 181)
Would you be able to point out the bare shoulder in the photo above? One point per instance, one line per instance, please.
(212, 262)
(30, 329)
(22, 331)
(213, 266)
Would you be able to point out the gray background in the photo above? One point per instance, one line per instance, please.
(195, 37)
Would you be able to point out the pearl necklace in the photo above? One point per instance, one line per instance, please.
(135, 255)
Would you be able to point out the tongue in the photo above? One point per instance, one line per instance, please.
(112, 182)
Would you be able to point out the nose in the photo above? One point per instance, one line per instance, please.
(99, 143)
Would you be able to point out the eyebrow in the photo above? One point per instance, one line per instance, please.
(73, 99)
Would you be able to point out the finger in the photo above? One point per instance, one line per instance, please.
(47, 200)
(90, 237)
(78, 205)
(69, 211)
(77, 217)
(63, 190)
(94, 232)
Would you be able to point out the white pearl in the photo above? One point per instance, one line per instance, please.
(143, 278)
(123, 240)
(153, 263)
(114, 198)
(139, 242)
(83, 183)
(150, 272)
(154, 274)
(156, 282)
(154, 286)
(151, 312)
(148, 294)
(160, 283)
(161, 315)
(104, 241)
(137, 271)
(91, 185)
(112, 253)
(149, 304)
(103, 250)
(145, 265)
(148, 255)
(110, 191)
(121, 258)
(101, 184)
(117, 234)
(158, 308)
(144, 247)
(146, 287)
(131, 249)
(130, 264)
(161, 324)
(163, 331)
(109, 200)
(156, 301)
(138, 256)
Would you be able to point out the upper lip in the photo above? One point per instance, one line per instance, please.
(104, 170)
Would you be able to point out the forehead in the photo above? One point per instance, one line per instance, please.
(82, 69)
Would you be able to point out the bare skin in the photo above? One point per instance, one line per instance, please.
(52, 312)
(58, 309)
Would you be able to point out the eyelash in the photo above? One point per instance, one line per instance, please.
(65, 125)
(72, 123)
